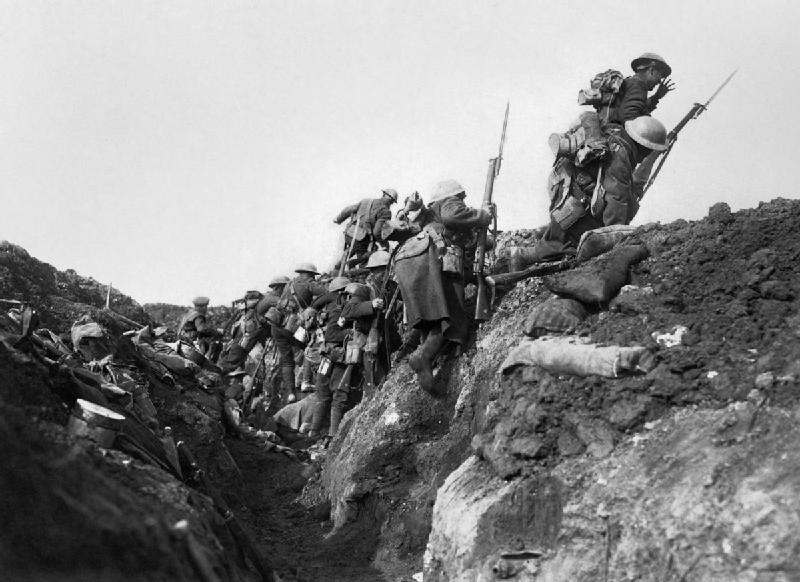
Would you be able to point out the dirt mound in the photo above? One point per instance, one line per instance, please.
(59, 296)
(727, 287)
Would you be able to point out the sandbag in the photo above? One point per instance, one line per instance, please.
(555, 315)
(601, 240)
(598, 282)
(572, 355)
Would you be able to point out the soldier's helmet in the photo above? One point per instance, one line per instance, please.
(647, 131)
(652, 59)
(307, 268)
(200, 301)
(337, 284)
(252, 297)
(445, 189)
(278, 281)
(358, 290)
(378, 259)
(391, 193)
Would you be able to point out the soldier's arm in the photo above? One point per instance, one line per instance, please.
(635, 102)
(203, 328)
(346, 213)
(357, 309)
(458, 216)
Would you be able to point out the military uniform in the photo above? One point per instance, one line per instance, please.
(368, 220)
(618, 202)
(431, 271)
(298, 294)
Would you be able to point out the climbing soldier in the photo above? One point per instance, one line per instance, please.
(602, 193)
(650, 72)
(431, 270)
(367, 220)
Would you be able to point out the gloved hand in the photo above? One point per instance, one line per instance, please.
(341, 322)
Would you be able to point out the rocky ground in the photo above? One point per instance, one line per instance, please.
(686, 472)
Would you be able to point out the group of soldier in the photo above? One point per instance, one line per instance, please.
(400, 283)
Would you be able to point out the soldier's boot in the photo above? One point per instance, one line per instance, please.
(336, 419)
(287, 379)
(421, 361)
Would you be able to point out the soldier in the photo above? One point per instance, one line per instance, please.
(367, 220)
(431, 270)
(195, 329)
(579, 205)
(332, 369)
(250, 329)
(650, 72)
(297, 295)
(273, 296)
(383, 336)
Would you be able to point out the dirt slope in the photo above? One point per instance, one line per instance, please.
(683, 473)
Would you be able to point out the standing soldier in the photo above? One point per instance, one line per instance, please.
(383, 335)
(332, 368)
(195, 329)
(367, 219)
(431, 270)
(273, 296)
(580, 204)
(250, 329)
(298, 294)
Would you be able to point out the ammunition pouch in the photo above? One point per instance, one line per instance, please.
(292, 322)
(568, 211)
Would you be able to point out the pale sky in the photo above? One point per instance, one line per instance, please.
(178, 148)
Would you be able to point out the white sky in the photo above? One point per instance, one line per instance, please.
(183, 147)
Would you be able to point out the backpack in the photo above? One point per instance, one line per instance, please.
(586, 140)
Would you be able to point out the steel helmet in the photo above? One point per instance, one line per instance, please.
(307, 268)
(647, 131)
(391, 193)
(277, 281)
(654, 59)
(337, 284)
(357, 290)
(379, 258)
(200, 301)
(445, 189)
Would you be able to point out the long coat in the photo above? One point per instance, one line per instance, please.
(430, 296)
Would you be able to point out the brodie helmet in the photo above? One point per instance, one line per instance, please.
(647, 131)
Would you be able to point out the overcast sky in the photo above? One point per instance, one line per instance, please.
(178, 148)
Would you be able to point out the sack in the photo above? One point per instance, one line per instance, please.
(599, 281)
(453, 260)
(293, 321)
(325, 367)
(568, 212)
(600, 240)
(555, 315)
(301, 335)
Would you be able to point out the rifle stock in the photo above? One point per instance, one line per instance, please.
(537, 270)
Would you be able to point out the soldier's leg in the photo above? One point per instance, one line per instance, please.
(323, 391)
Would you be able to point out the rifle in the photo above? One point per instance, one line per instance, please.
(672, 136)
(536, 270)
(349, 252)
(197, 475)
(482, 305)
